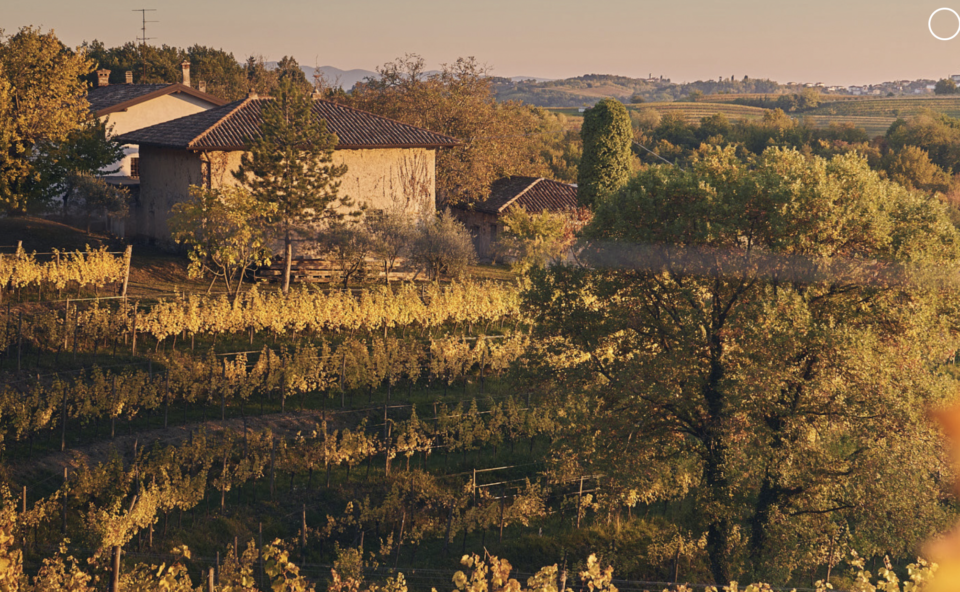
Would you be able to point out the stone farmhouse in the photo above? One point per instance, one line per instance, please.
(128, 107)
(205, 148)
(533, 194)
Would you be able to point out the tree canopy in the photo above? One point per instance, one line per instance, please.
(498, 138)
(757, 341)
(42, 102)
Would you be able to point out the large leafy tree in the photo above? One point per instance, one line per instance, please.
(605, 164)
(86, 151)
(290, 166)
(42, 101)
(758, 341)
(497, 138)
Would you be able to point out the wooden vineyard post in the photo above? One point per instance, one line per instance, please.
(113, 410)
(579, 501)
(63, 526)
(210, 585)
(66, 323)
(483, 359)
(19, 339)
(127, 256)
(343, 369)
(273, 459)
(260, 549)
(403, 524)
(115, 569)
(283, 387)
(303, 534)
(446, 538)
(166, 398)
(136, 311)
(63, 423)
(223, 394)
(24, 511)
(503, 500)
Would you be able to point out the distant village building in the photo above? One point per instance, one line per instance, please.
(533, 194)
(382, 156)
(128, 107)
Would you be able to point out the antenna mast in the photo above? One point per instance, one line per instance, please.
(143, 39)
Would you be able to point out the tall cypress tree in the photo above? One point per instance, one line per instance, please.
(605, 164)
(290, 164)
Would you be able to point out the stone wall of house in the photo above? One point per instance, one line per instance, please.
(378, 177)
(165, 179)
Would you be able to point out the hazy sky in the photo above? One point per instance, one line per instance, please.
(829, 41)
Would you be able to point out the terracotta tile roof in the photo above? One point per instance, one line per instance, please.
(534, 194)
(117, 97)
(228, 127)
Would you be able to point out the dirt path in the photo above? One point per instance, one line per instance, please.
(285, 424)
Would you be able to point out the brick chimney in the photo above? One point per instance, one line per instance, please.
(202, 86)
(129, 76)
(186, 72)
(103, 77)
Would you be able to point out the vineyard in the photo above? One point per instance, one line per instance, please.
(340, 439)
(873, 125)
(389, 420)
(731, 97)
(891, 107)
(694, 112)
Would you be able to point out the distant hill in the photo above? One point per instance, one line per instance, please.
(588, 89)
(345, 78)
(333, 75)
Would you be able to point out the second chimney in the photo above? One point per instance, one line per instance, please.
(103, 77)
(129, 76)
(186, 72)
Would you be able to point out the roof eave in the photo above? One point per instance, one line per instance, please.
(338, 147)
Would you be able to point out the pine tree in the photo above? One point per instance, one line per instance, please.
(290, 164)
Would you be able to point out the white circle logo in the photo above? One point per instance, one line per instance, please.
(930, 24)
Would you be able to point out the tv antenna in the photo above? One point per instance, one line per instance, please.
(143, 38)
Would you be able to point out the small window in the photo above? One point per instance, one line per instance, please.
(135, 167)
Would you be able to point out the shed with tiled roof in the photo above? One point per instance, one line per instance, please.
(205, 148)
(533, 194)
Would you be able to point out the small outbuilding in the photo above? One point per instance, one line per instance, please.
(533, 194)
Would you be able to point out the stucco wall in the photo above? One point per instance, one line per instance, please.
(165, 179)
(149, 113)
(374, 177)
